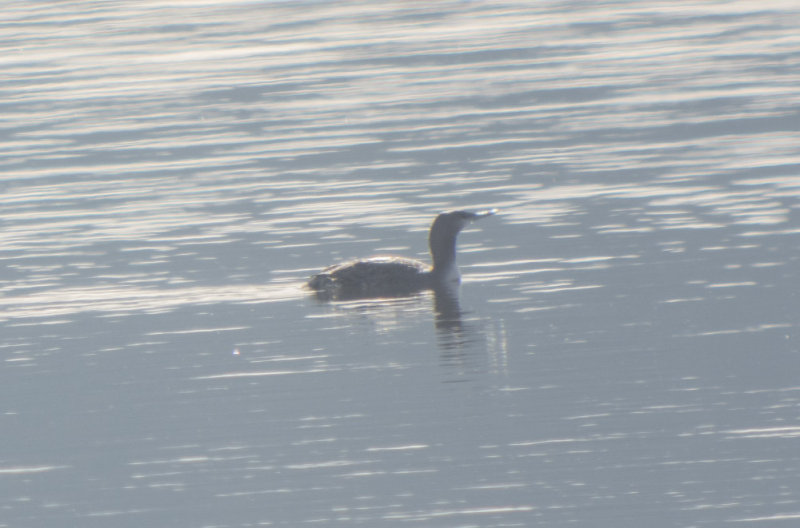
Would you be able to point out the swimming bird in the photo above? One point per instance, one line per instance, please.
(396, 276)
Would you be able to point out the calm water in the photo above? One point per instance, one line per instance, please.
(625, 346)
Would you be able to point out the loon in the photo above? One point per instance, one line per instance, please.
(396, 276)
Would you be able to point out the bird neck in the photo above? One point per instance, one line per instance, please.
(443, 253)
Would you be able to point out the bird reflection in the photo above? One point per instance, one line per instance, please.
(454, 334)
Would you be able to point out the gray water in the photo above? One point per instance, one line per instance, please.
(624, 349)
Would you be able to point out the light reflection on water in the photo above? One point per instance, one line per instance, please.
(624, 339)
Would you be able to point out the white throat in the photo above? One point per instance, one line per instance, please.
(449, 273)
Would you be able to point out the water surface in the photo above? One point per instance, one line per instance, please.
(624, 347)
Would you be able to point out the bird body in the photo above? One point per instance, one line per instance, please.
(396, 276)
